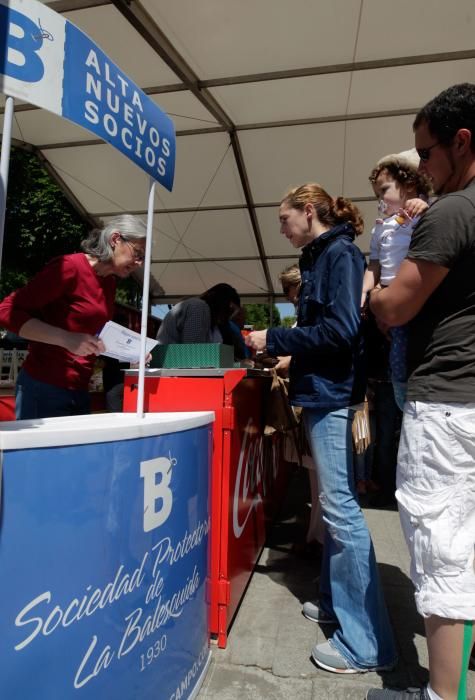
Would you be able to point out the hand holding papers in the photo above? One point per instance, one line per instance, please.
(123, 344)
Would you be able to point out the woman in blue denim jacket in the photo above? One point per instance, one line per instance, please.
(327, 380)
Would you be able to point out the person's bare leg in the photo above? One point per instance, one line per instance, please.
(449, 643)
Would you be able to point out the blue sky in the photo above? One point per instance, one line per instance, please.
(286, 310)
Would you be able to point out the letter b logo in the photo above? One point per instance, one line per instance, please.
(20, 40)
(150, 470)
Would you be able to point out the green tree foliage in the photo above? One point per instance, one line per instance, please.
(129, 292)
(40, 223)
(288, 321)
(258, 315)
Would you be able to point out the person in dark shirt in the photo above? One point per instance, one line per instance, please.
(434, 291)
(202, 319)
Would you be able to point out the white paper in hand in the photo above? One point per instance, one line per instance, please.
(123, 344)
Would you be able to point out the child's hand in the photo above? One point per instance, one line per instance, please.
(415, 207)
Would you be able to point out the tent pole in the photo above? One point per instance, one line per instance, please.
(145, 294)
(5, 165)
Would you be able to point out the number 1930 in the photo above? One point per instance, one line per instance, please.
(153, 652)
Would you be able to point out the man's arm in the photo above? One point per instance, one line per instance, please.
(407, 294)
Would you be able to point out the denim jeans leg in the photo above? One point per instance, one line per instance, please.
(35, 399)
(400, 392)
(364, 636)
(325, 592)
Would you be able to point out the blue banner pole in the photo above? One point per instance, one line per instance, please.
(5, 166)
(145, 295)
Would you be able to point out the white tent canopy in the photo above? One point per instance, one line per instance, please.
(265, 94)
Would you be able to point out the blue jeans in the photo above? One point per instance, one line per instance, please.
(35, 399)
(398, 353)
(349, 583)
(397, 362)
(400, 392)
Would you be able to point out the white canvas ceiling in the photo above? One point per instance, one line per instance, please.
(265, 94)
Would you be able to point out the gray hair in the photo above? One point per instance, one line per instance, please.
(98, 244)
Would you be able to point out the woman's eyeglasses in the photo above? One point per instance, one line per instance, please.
(138, 253)
(424, 153)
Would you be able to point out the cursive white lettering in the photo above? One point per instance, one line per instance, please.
(105, 658)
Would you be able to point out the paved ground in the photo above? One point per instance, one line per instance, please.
(268, 652)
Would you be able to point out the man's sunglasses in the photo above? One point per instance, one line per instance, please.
(424, 153)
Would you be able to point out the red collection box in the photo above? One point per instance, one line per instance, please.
(248, 474)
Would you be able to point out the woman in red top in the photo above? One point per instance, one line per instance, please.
(61, 311)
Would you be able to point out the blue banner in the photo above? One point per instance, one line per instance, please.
(47, 61)
(103, 554)
(101, 98)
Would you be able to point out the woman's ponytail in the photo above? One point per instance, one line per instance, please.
(328, 210)
(343, 209)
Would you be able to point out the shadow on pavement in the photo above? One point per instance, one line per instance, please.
(289, 564)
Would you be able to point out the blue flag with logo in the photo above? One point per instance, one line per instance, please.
(47, 61)
(103, 560)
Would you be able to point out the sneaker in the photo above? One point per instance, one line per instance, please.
(312, 611)
(388, 694)
(326, 656)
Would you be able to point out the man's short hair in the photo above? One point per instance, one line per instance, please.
(450, 111)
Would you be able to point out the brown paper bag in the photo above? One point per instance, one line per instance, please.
(279, 414)
(361, 429)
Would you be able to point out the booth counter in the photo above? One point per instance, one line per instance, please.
(248, 472)
(103, 557)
